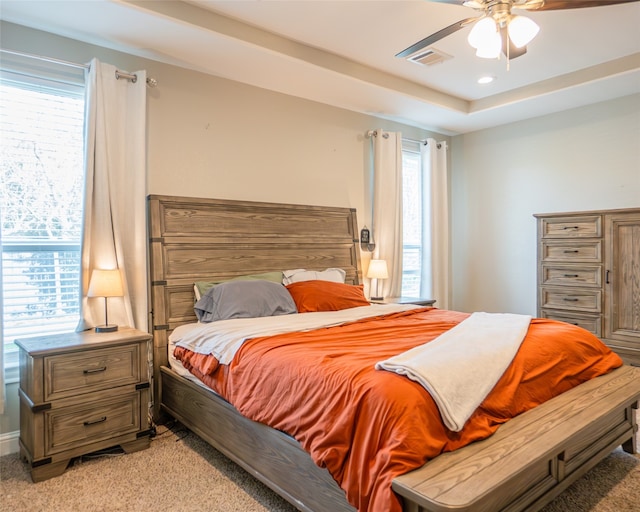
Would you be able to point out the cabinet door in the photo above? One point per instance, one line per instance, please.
(622, 279)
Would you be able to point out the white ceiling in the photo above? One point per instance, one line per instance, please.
(343, 53)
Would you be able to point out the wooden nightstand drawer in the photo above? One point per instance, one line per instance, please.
(84, 372)
(588, 226)
(571, 299)
(84, 424)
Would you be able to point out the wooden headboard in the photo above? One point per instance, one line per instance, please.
(193, 239)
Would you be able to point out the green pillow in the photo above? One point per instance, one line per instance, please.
(201, 287)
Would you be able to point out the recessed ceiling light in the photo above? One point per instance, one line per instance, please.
(486, 79)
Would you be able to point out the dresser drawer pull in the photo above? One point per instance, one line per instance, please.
(571, 227)
(570, 299)
(95, 370)
(571, 275)
(101, 420)
(574, 251)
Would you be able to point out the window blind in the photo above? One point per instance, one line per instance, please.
(42, 182)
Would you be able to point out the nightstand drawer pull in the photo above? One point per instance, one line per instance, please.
(95, 370)
(571, 227)
(101, 420)
(571, 275)
(570, 299)
(574, 251)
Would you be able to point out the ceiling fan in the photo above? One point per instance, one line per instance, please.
(497, 29)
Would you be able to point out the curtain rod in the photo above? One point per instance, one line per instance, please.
(151, 82)
(46, 59)
(425, 142)
(374, 133)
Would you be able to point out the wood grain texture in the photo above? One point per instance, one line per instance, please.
(589, 274)
(535, 456)
(545, 449)
(82, 392)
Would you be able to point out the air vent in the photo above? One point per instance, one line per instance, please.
(429, 57)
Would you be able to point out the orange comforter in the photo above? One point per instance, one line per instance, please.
(368, 426)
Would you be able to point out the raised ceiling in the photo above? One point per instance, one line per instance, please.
(342, 53)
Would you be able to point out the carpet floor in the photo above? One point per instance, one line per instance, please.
(180, 472)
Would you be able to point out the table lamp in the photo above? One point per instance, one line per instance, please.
(377, 270)
(105, 283)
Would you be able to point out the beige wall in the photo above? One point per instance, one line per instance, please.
(581, 159)
(211, 137)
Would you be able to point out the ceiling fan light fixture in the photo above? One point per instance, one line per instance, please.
(491, 50)
(522, 30)
(483, 32)
(485, 38)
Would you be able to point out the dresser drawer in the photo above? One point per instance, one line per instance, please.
(572, 275)
(591, 323)
(588, 226)
(588, 251)
(73, 427)
(571, 299)
(88, 371)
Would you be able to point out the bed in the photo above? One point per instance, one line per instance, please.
(524, 465)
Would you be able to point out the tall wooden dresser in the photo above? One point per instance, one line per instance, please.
(589, 274)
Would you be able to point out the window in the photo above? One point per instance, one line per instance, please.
(41, 175)
(412, 219)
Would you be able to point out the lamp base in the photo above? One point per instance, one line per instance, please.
(377, 298)
(106, 328)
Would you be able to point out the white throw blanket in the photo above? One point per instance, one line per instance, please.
(461, 366)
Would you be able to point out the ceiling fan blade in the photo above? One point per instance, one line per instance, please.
(428, 41)
(556, 5)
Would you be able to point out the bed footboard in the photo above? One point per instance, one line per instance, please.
(534, 457)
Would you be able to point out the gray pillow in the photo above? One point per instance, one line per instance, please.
(244, 299)
(201, 287)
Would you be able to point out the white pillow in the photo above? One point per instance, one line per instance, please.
(336, 275)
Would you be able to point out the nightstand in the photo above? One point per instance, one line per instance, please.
(82, 392)
(419, 301)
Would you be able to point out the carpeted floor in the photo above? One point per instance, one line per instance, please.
(180, 472)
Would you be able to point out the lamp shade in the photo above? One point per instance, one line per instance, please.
(483, 32)
(522, 30)
(377, 269)
(105, 283)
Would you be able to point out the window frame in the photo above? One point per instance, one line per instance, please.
(59, 79)
(412, 148)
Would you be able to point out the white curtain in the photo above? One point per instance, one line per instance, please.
(435, 239)
(386, 228)
(114, 231)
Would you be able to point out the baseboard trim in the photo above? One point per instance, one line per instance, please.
(9, 443)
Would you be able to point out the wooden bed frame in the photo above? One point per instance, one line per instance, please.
(523, 466)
